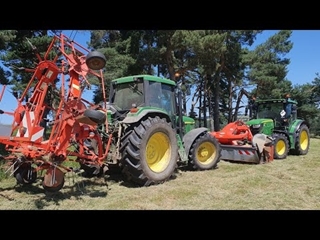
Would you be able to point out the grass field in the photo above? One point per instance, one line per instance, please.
(289, 184)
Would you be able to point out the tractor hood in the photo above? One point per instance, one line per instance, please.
(259, 121)
(261, 125)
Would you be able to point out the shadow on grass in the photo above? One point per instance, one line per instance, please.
(73, 189)
(93, 188)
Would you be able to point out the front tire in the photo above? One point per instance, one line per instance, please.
(303, 141)
(281, 146)
(150, 152)
(204, 153)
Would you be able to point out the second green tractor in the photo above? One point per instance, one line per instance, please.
(278, 118)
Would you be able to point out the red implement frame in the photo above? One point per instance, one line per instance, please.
(64, 58)
(239, 145)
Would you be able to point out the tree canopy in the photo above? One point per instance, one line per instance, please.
(213, 65)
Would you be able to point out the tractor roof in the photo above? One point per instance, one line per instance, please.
(145, 77)
(280, 100)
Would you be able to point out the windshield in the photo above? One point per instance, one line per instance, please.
(128, 95)
(168, 99)
(162, 96)
(269, 110)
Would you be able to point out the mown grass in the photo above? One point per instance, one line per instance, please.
(289, 184)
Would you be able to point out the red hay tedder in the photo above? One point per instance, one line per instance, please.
(56, 87)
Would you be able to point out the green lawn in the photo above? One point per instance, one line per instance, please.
(289, 184)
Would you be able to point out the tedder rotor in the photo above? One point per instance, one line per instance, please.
(55, 90)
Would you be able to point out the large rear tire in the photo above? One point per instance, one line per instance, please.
(204, 153)
(150, 152)
(281, 146)
(303, 141)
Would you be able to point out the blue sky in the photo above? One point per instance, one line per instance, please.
(304, 61)
(304, 56)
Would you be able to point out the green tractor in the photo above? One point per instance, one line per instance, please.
(148, 134)
(278, 118)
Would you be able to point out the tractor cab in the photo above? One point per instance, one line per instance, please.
(281, 111)
(278, 118)
(273, 114)
(140, 95)
(143, 91)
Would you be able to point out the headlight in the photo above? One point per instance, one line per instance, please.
(256, 126)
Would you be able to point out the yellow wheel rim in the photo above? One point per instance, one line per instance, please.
(158, 152)
(280, 147)
(304, 140)
(206, 153)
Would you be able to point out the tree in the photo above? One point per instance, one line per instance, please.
(6, 36)
(267, 66)
(19, 47)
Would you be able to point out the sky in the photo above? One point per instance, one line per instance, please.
(304, 61)
(304, 55)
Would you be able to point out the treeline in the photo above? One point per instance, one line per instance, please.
(211, 65)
